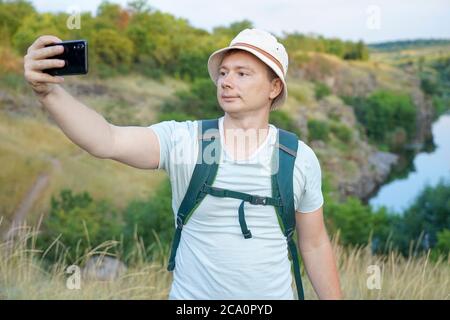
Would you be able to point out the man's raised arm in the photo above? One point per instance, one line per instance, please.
(135, 146)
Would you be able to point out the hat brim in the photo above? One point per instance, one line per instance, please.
(215, 59)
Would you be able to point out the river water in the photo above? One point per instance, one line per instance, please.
(429, 168)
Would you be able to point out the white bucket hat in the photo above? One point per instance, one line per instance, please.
(264, 46)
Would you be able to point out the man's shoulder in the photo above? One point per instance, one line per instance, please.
(306, 157)
(176, 128)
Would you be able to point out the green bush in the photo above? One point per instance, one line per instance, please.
(151, 221)
(318, 130)
(79, 223)
(12, 14)
(283, 120)
(357, 222)
(321, 90)
(342, 132)
(383, 114)
(112, 51)
(443, 242)
(344, 49)
(429, 215)
(429, 86)
(440, 105)
(35, 25)
(199, 102)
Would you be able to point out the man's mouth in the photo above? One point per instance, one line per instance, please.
(228, 98)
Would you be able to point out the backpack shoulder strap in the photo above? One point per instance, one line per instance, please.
(282, 186)
(287, 153)
(205, 171)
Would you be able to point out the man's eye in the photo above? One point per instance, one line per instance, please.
(222, 73)
(242, 74)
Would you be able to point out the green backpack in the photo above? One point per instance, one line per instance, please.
(282, 189)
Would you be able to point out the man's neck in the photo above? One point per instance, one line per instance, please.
(243, 134)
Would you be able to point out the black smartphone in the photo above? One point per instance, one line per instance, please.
(75, 56)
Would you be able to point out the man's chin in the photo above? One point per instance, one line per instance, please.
(231, 107)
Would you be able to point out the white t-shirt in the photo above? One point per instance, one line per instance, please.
(214, 260)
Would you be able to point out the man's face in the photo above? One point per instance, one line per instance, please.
(243, 83)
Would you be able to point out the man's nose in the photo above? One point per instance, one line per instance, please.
(226, 81)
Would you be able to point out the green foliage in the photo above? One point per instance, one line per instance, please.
(79, 223)
(344, 49)
(439, 105)
(199, 101)
(234, 28)
(141, 39)
(443, 242)
(384, 114)
(150, 221)
(112, 50)
(356, 51)
(356, 221)
(11, 15)
(35, 25)
(429, 215)
(439, 86)
(110, 16)
(318, 130)
(429, 86)
(283, 120)
(342, 132)
(425, 225)
(321, 90)
(171, 45)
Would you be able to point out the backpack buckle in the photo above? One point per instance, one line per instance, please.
(258, 200)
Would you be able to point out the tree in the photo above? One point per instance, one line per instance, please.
(429, 215)
(199, 101)
(12, 14)
(112, 50)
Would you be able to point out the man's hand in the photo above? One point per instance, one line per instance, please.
(36, 60)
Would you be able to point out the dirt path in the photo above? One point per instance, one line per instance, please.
(25, 206)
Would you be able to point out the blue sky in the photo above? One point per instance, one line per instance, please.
(371, 21)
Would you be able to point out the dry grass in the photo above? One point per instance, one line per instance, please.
(415, 277)
(23, 275)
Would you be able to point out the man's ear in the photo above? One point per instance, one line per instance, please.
(276, 88)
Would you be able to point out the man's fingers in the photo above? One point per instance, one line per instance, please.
(42, 41)
(38, 65)
(46, 52)
(39, 77)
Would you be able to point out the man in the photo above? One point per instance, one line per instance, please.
(213, 260)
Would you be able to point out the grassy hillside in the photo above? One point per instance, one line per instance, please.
(401, 55)
(31, 145)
